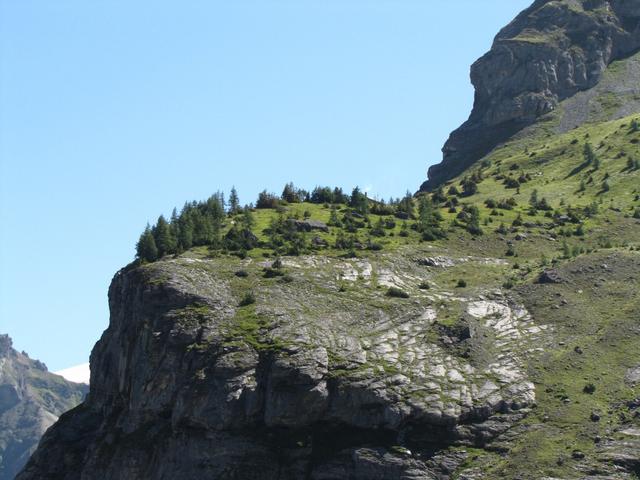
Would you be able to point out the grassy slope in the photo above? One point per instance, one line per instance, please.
(595, 312)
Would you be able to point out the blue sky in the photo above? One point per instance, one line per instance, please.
(114, 112)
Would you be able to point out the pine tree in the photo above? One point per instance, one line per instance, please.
(378, 228)
(406, 205)
(165, 241)
(234, 201)
(146, 248)
(473, 224)
(247, 221)
(469, 187)
(185, 232)
(588, 154)
(289, 193)
(439, 196)
(359, 201)
(429, 220)
(334, 221)
(339, 196)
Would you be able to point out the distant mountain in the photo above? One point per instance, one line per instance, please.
(31, 399)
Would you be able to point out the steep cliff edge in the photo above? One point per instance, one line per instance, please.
(308, 382)
(550, 52)
(326, 376)
(31, 399)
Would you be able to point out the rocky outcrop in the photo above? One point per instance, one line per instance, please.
(550, 52)
(306, 383)
(31, 399)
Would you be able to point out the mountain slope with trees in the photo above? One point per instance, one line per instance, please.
(486, 328)
(31, 399)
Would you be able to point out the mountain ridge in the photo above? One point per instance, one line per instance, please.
(31, 399)
(550, 52)
(469, 333)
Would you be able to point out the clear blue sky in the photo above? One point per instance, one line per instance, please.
(112, 112)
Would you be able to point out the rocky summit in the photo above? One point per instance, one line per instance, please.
(31, 399)
(486, 329)
(549, 53)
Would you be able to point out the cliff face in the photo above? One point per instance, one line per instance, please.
(31, 399)
(550, 52)
(307, 383)
(462, 358)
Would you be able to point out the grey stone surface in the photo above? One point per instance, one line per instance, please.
(550, 52)
(330, 387)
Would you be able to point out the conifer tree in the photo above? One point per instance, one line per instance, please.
(469, 187)
(234, 201)
(588, 154)
(247, 221)
(162, 234)
(146, 248)
(339, 196)
(406, 205)
(185, 232)
(429, 220)
(473, 224)
(359, 201)
(334, 221)
(289, 193)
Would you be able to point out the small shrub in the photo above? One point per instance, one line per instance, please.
(242, 274)
(511, 182)
(424, 286)
(397, 293)
(247, 299)
(589, 388)
(518, 221)
(490, 203)
(273, 272)
(461, 283)
(374, 246)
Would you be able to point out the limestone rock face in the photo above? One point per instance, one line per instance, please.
(550, 52)
(307, 383)
(31, 399)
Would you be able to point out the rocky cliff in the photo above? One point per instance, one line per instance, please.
(309, 382)
(31, 399)
(326, 376)
(510, 348)
(550, 52)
